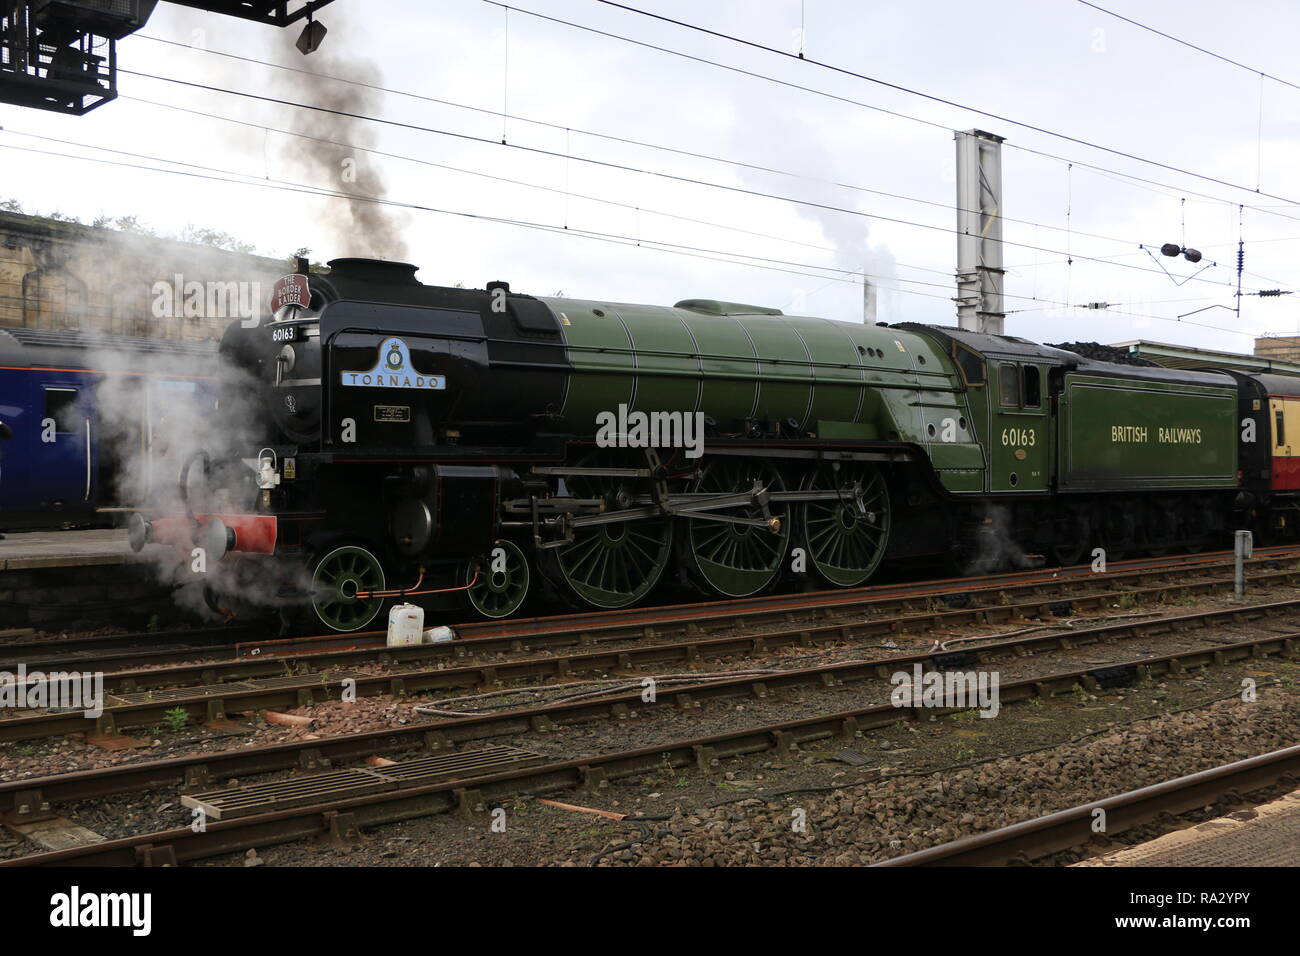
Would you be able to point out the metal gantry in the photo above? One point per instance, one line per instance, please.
(61, 55)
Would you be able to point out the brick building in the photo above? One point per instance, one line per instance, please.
(65, 275)
(1285, 348)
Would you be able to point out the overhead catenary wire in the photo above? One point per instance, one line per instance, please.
(1190, 45)
(568, 157)
(209, 173)
(869, 106)
(732, 257)
(1141, 182)
(624, 167)
(247, 179)
(844, 71)
(497, 178)
(739, 163)
(852, 272)
(538, 186)
(844, 274)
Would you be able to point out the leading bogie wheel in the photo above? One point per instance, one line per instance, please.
(341, 582)
(498, 583)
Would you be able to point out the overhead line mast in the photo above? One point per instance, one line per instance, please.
(979, 232)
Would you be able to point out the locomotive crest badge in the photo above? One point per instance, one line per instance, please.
(393, 369)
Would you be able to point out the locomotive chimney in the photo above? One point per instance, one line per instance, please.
(375, 270)
(868, 301)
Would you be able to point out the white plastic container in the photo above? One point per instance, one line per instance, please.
(439, 635)
(405, 625)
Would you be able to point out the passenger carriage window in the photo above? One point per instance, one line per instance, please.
(1279, 431)
(1010, 377)
(1033, 395)
(61, 405)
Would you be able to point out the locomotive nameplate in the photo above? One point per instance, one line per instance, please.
(393, 370)
(392, 413)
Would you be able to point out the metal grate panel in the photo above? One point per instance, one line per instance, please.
(343, 784)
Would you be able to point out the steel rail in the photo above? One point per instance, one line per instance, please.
(198, 770)
(13, 653)
(215, 701)
(342, 817)
(687, 619)
(767, 605)
(375, 644)
(1072, 829)
(222, 671)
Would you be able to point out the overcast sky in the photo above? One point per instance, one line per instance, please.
(1050, 63)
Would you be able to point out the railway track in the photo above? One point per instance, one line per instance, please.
(688, 649)
(109, 647)
(1023, 843)
(199, 770)
(149, 702)
(402, 797)
(442, 739)
(753, 610)
(995, 595)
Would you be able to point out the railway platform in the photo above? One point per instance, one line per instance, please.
(77, 578)
(1268, 835)
(26, 550)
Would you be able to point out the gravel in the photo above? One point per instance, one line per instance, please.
(890, 817)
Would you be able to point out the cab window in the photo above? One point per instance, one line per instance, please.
(970, 363)
(1032, 391)
(1010, 384)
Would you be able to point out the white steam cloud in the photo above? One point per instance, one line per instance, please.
(787, 142)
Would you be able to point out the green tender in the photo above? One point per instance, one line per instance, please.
(1117, 433)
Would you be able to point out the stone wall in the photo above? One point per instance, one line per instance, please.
(61, 275)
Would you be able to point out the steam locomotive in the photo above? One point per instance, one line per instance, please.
(381, 438)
